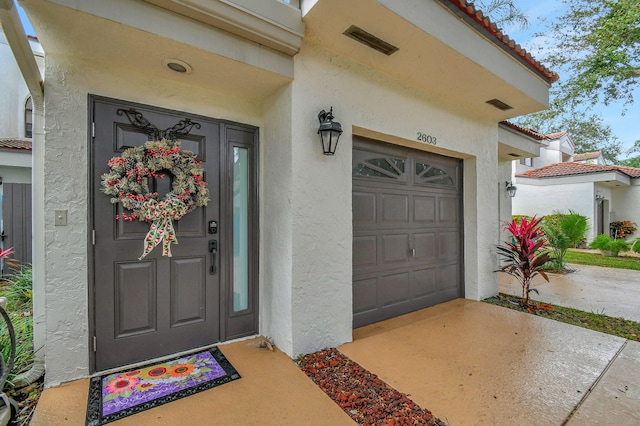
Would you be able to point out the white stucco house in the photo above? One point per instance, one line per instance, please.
(561, 180)
(15, 151)
(404, 215)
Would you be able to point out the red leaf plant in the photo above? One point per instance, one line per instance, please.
(525, 256)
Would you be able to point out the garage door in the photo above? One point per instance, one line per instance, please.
(407, 230)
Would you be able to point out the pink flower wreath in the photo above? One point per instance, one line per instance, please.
(127, 182)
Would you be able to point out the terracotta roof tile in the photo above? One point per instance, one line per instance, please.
(484, 22)
(20, 144)
(556, 135)
(587, 156)
(525, 130)
(571, 169)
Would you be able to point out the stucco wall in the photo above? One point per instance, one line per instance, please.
(68, 82)
(321, 194)
(626, 203)
(276, 230)
(504, 201)
(13, 90)
(540, 200)
(13, 93)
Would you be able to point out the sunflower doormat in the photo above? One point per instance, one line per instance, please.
(118, 395)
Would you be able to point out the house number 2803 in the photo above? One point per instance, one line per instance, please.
(423, 137)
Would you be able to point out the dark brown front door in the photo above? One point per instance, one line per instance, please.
(407, 230)
(159, 305)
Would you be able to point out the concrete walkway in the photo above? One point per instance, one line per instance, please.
(468, 362)
(610, 291)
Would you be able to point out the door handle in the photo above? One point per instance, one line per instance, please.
(412, 252)
(213, 249)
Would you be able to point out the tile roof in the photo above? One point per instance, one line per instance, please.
(572, 169)
(501, 39)
(587, 156)
(556, 135)
(525, 130)
(20, 144)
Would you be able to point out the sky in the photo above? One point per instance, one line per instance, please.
(539, 13)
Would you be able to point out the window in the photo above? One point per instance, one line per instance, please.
(28, 118)
(426, 173)
(526, 162)
(384, 167)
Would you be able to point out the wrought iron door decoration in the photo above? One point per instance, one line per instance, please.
(128, 181)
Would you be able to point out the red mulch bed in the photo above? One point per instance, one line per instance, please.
(360, 393)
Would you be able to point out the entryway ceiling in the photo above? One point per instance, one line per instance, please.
(152, 37)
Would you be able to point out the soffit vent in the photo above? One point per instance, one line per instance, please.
(368, 39)
(514, 155)
(499, 104)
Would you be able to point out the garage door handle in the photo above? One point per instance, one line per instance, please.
(412, 252)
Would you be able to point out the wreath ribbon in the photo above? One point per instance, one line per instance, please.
(161, 230)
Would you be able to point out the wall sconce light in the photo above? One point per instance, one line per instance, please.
(329, 132)
(599, 198)
(511, 189)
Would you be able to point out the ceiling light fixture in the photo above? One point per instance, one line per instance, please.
(177, 65)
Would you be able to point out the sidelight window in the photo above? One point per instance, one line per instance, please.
(240, 229)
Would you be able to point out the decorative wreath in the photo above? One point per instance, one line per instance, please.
(127, 182)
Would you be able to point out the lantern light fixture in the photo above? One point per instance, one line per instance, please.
(329, 132)
(511, 189)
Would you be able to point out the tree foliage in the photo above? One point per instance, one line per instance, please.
(630, 162)
(503, 13)
(598, 43)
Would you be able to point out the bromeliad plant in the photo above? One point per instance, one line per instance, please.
(525, 256)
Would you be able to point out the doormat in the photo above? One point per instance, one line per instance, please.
(117, 395)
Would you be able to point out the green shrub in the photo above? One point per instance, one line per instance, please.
(18, 291)
(605, 243)
(564, 231)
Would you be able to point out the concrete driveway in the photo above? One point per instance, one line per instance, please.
(610, 291)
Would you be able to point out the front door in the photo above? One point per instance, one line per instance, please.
(157, 306)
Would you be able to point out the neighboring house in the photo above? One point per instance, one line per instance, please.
(584, 184)
(405, 215)
(560, 180)
(590, 158)
(15, 152)
(554, 148)
(15, 198)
